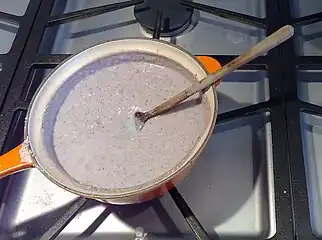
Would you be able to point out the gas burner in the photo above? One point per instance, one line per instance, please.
(174, 16)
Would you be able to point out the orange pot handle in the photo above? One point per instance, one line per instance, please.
(211, 65)
(11, 162)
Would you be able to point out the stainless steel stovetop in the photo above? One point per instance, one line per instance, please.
(231, 189)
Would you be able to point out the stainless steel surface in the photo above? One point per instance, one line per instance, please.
(243, 88)
(219, 36)
(15, 7)
(7, 30)
(8, 33)
(230, 190)
(311, 140)
(309, 41)
(310, 86)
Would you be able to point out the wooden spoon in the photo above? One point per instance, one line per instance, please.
(259, 49)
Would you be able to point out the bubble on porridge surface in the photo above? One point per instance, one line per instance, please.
(94, 135)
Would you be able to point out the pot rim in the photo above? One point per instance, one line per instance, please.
(169, 175)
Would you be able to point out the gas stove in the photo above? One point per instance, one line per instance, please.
(258, 178)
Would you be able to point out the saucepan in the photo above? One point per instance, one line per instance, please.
(37, 151)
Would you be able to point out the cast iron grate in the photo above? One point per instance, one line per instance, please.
(28, 73)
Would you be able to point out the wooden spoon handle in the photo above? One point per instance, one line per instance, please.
(259, 49)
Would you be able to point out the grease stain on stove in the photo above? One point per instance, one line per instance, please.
(44, 201)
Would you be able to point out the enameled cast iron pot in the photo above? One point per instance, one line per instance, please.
(37, 152)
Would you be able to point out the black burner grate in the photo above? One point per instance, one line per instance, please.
(19, 82)
(172, 16)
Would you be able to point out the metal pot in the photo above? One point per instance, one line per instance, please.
(37, 152)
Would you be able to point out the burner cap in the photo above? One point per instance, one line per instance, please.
(175, 16)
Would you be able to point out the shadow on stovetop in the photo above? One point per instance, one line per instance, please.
(213, 202)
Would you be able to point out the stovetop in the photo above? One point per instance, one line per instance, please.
(258, 178)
